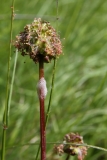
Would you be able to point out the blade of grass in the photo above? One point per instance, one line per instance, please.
(87, 145)
(5, 116)
(76, 13)
(12, 81)
(50, 98)
(99, 88)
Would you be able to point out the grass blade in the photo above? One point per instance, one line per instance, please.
(5, 116)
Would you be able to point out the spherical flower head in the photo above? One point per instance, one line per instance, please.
(73, 149)
(72, 145)
(39, 40)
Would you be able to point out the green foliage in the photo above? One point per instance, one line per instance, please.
(79, 97)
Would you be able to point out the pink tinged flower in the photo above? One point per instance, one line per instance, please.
(59, 149)
(39, 39)
(71, 147)
(79, 153)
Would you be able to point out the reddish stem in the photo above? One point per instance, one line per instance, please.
(42, 116)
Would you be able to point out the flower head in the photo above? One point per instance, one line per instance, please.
(59, 149)
(39, 40)
(71, 147)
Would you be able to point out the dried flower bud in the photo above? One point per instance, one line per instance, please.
(59, 149)
(73, 138)
(71, 147)
(39, 40)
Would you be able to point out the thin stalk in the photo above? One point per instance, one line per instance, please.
(42, 115)
(67, 158)
(49, 104)
(37, 154)
(5, 116)
(52, 86)
(51, 143)
(12, 81)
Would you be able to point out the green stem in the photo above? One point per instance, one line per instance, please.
(37, 154)
(5, 116)
(3, 145)
(12, 81)
(68, 156)
(49, 104)
(51, 143)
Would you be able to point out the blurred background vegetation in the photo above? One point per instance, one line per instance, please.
(79, 102)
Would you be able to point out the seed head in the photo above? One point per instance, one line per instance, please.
(39, 40)
(71, 147)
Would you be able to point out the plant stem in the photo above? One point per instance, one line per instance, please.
(3, 145)
(49, 104)
(68, 156)
(42, 115)
(12, 81)
(5, 116)
(52, 86)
